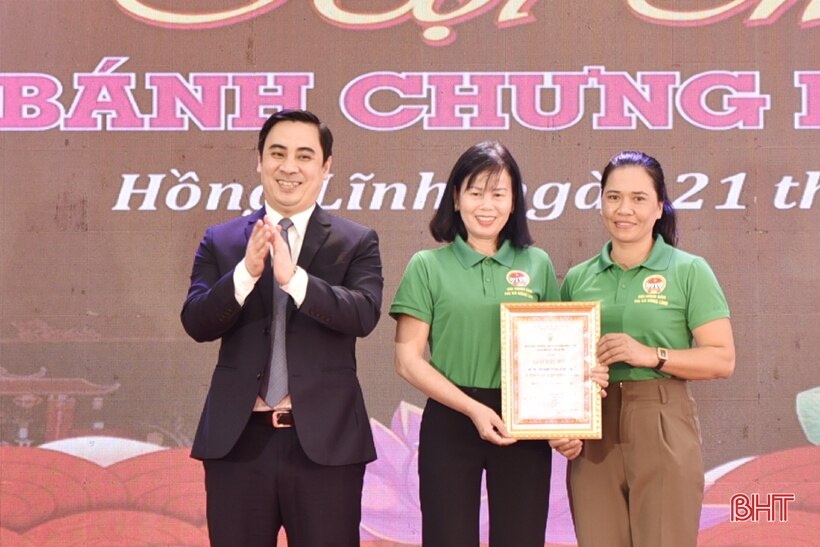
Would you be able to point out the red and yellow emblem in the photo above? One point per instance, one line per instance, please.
(654, 284)
(517, 278)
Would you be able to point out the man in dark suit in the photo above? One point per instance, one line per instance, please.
(284, 435)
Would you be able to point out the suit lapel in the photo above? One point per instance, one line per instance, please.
(265, 283)
(317, 232)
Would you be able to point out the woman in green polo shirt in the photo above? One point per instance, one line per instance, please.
(449, 298)
(642, 483)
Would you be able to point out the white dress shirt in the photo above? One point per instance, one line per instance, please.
(244, 282)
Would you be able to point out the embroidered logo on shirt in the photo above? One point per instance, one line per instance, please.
(654, 284)
(517, 278)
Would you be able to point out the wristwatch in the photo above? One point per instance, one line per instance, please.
(663, 355)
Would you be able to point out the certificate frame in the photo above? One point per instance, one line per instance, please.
(547, 353)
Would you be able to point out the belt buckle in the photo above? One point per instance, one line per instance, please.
(282, 418)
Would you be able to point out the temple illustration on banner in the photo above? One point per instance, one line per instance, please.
(38, 409)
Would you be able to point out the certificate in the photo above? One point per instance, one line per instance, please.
(547, 351)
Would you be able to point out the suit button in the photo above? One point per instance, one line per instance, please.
(259, 376)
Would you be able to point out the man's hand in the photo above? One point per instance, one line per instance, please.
(258, 247)
(283, 266)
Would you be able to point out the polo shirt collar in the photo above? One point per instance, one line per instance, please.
(659, 257)
(469, 257)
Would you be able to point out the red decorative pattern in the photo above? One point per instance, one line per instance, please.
(48, 498)
(9, 538)
(801, 530)
(791, 471)
(38, 485)
(116, 527)
(168, 482)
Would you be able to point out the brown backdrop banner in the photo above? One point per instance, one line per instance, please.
(128, 126)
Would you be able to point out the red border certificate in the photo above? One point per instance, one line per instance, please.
(547, 351)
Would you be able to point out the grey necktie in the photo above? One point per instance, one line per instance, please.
(277, 386)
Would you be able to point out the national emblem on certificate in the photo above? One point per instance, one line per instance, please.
(547, 353)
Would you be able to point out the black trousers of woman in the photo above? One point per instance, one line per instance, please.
(452, 458)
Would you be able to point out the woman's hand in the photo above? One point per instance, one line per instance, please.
(490, 426)
(600, 375)
(620, 347)
(569, 448)
(411, 340)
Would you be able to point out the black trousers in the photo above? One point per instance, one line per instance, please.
(267, 482)
(452, 458)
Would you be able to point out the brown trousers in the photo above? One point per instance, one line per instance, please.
(641, 485)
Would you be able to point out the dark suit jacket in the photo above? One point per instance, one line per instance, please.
(343, 302)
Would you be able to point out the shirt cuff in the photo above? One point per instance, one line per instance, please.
(243, 282)
(297, 286)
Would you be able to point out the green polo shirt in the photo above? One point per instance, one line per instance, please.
(658, 303)
(457, 291)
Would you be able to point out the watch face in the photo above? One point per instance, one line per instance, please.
(662, 353)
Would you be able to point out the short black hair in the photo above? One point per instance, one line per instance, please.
(492, 158)
(325, 136)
